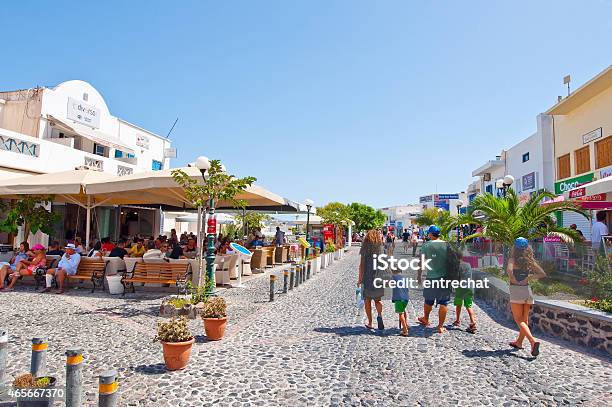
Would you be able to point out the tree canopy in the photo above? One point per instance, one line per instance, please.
(29, 212)
(365, 217)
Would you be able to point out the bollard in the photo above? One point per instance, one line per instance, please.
(303, 274)
(39, 356)
(285, 281)
(292, 278)
(272, 280)
(108, 389)
(74, 377)
(308, 269)
(3, 353)
(297, 276)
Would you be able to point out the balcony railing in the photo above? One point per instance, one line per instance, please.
(16, 145)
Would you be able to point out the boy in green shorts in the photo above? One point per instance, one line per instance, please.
(400, 301)
(465, 297)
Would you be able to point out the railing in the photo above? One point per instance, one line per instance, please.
(121, 170)
(19, 146)
(94, 164)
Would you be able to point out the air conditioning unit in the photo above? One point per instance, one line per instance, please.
(486, 176)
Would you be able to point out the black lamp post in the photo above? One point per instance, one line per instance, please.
(459, 205)
(203, 164)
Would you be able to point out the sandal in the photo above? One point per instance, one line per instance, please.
(380, 323)
(369, 327)
(515, 345)
(535, 349)
(471, 329)
(441, 329)
(404, 334)
(456, 323)
(423, 321)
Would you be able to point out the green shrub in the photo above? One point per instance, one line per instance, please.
(602, 305)
(179, 302)
(600, 279)
(214, 307)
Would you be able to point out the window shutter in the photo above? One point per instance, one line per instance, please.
(603, 150)
(583, 160)
(564, 167)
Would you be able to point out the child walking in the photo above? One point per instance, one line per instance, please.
(400, 301)
(465, 297)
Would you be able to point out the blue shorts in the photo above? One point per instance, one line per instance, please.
(436, 295)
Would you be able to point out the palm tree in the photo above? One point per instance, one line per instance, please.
(504, 219)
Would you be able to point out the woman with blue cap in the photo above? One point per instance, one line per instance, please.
(522, 268)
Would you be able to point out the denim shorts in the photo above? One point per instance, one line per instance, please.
(436, 295)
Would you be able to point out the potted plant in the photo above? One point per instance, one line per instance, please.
(176, 340)
(330, 249)
(214, 315)
(33, 391)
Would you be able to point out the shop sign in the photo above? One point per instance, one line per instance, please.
(425, 199)
(142, 141)
(447, 196)
(442, 204)
(169, 152)
(605, 172)
(83, 113)
(577, 193)
(571, 183)
(529, 181)
(591, 135)
(552, 239)
(593, 198)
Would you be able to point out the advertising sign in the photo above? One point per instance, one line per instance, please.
(426, 198)
(142, 141)
(591, 135)
(169, 152)
(447, 196)
(593, 198)
(400, 225)
(83, 113)
(442, 204)
(212, 225)
(571, 183)
(552, 239)
(605, 172)
(529, 181)
(576, 193)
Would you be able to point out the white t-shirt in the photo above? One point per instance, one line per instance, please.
(599, 229)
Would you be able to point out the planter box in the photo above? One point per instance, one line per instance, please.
(323, 261)
(319, 260)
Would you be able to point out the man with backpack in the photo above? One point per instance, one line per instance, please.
(436, 287)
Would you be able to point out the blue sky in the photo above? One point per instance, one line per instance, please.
(376, 102)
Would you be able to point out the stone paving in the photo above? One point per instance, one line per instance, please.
(308, 348)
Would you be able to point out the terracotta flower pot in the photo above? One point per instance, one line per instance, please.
(215, 328)
(176, 354)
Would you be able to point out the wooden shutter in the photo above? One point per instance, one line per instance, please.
(563, 168)
(583, 160)
(603, 152)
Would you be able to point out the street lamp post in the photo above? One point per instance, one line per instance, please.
(309, 203)
(203, 164)
(459, 205)
(506, 183)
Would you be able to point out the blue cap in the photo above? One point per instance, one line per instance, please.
(521, 243)
(434, 230)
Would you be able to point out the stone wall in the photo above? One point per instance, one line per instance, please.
(580, 325)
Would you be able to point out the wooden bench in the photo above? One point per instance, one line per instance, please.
(90, 269)
(157, 273)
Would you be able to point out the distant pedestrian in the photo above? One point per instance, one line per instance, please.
(414, 241)
(465, 297)
(599, 230)
(522, 268)
(389, 243)
(372, 246)
(406, 240)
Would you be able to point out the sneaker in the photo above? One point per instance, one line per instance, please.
(379, 320)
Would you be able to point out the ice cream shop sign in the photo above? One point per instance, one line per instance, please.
(571, 183)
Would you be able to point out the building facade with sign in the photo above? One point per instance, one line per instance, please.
(46, 130)
(401, 216)
(447, 202)
(582, 128)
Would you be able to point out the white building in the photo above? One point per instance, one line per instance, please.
(54, 129)
(401, 216)
(44, 130)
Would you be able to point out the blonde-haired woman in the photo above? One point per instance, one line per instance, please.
(371, 246)
(522, 268)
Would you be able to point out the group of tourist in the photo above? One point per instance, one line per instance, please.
(521, 269)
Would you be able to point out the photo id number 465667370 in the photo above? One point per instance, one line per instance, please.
(55, 393)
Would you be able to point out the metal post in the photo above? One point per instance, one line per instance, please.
(88, 224)
(285, 280)
(39, 352)
(74, 377)
(308, 269)
(107, 387)
(292, 278)
(3, 355)
(272, 280)
(297, 275)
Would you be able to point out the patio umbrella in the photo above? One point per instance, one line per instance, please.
(66, 186)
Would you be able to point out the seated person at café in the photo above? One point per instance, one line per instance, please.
(119, 250)
(25, 267)
(257, 242)
(138, 249)
(184, 238)
(190, 250)
(176, 253)
(96, 251)
(107, 245)
(54, 249)
(67, 266)
(154, 253)
(22, 254)
(78, 245)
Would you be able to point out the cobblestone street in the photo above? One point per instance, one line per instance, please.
(309, 347)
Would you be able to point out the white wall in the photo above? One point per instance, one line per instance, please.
(518, 169)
